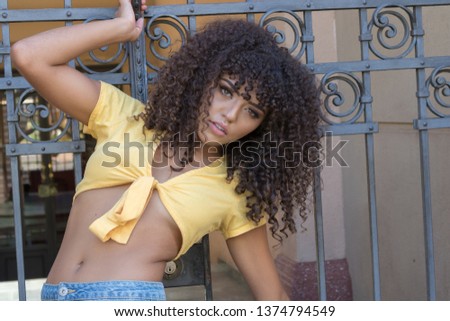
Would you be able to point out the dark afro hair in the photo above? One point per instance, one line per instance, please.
(272, 165)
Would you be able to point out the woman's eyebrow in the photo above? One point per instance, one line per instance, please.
(230, 83)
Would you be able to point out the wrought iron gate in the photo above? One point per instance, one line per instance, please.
(34, 128)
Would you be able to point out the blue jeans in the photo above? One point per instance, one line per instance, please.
(104, 291)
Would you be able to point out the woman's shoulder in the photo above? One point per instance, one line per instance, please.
(113, 107)
(119, 100)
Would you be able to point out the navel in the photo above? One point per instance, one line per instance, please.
(79, 265)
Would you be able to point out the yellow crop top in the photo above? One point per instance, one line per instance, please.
(199, 200)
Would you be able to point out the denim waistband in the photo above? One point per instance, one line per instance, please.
(104, 291)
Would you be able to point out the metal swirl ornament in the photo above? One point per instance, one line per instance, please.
(34, 118)
(393, 26)
(113, 63)
(439, 83)
(287, 30)
(160, 38)
(336, 86)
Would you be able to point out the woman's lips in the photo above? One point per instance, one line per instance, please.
(218, 129)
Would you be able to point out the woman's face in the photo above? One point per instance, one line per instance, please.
(231, 117)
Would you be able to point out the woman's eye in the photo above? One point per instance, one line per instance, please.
(252, 113)
(225, 91)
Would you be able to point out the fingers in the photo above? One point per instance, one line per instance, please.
(140, 24)
(144, 5)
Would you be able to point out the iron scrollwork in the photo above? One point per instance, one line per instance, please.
(111, 64)
(394, 27)
(439, 82)
(336, 86)
(160, 40)
(271, 21)
(38, 116)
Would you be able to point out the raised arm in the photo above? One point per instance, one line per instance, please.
(42, 59)
(251, 253)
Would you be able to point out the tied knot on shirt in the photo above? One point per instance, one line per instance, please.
(118, 223)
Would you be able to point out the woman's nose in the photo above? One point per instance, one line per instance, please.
(231, 111)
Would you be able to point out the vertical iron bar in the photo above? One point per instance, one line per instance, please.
(320, 244)
(18, 231)
(370, 157)
(48, 199)
(318, 213)
(192, 21)
(309, 33)
(77, 168)
(138, 71)
(373, 216)
(15, 170)
(425, 162)
(250, 16)
(3, 142)
(207, 266)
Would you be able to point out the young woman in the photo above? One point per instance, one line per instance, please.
(225, 131)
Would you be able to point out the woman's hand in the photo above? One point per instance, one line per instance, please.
(125, 13)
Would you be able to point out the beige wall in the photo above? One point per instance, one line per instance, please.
(398, 179)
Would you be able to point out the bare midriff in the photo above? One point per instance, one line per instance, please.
(84, 258)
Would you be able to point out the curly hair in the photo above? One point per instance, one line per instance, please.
(272, 165)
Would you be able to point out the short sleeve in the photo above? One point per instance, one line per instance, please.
(237, 222)
(238, 227)
(113, 106)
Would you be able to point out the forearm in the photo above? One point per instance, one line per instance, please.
(58, 46)
(252, 256)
